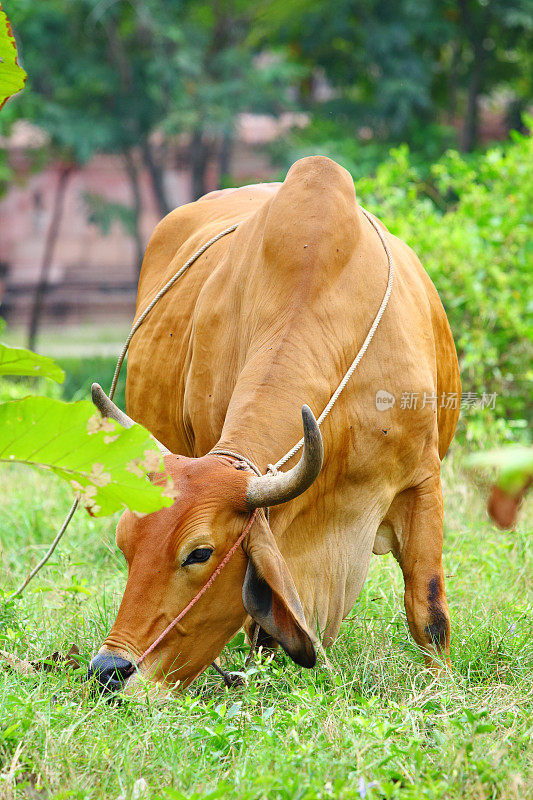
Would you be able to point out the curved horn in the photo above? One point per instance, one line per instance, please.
(270, 490)
(107, 408)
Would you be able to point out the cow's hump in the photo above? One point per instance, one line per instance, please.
(313, 222)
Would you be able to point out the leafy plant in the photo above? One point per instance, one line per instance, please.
(514, 468)
(12, 76)
(17, 361)
(104, 464)
(513, 464)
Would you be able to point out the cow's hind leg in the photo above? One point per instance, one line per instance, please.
(416, 520)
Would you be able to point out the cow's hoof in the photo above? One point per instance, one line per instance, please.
(232, 680)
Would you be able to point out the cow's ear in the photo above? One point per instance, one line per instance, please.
(270, 597)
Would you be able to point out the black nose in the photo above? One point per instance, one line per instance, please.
(110, 671)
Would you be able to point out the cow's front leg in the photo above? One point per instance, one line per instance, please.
(417, 520)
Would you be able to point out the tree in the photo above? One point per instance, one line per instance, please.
(397, 65)
(207, 71)
(64, 97)
(492, 44)
(104, 77)
(375, 55)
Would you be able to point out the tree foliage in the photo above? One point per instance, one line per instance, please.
(395, 65)
(179, 67)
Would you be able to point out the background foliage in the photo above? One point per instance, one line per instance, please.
(469, 221)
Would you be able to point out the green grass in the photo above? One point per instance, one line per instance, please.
(372, 721)
(76, 338)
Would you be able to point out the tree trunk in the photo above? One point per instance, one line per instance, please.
(48, 254)
(474, 21)
(470, 132)
(453, 81)
(156, 172)
(224, 158)
(198, 159)
(133, 175)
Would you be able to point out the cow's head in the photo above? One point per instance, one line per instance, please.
(173, 552)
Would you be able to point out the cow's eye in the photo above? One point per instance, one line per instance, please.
(198, 556)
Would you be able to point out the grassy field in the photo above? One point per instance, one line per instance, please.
(372, 723)
(75, 339)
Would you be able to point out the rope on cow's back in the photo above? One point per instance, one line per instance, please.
(168, 285)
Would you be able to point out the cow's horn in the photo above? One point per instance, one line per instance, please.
(270, 490)
(107, 408)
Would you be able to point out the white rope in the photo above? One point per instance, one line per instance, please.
(273, 468)
(233, 454)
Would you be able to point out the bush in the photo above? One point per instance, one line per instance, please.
(469, 226)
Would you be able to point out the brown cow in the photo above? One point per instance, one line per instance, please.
(268, 319)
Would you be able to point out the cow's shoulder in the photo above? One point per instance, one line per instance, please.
(185, 229)
(215, 210)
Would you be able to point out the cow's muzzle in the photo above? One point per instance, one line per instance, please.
(110, 671)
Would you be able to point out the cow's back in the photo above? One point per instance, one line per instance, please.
(158, 352)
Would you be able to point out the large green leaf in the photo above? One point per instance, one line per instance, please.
(16, 361)
(12, 77)
(105, 464)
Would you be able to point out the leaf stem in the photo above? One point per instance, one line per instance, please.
(48, 553)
